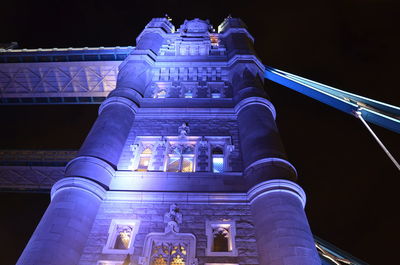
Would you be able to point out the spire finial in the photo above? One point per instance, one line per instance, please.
(167, 17)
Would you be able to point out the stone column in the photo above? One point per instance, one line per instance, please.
(98, 157)
(282, 231)
(62, 233)
(262, 150)
(277, 204)
(64, 228)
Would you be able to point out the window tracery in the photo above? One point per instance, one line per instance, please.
(181, 157)
(168, 253)
(121, 236)
(144, 158)
(195, 83)
(181, 153)
(170, 247)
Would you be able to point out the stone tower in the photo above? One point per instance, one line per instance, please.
(184, 164)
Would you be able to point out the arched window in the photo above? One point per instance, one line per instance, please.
(144, 159)
(180, 153)
(123, 237)
(217, 160)
(168, 254)
(180, 158)
(220, 240)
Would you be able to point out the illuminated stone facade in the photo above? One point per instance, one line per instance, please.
(184, 164)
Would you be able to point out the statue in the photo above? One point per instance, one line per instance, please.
(172, 219)
(183, 130)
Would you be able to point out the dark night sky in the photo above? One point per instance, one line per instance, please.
(351, 185)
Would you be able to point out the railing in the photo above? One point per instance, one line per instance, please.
(36, 157)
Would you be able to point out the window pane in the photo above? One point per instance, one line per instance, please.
(187, 164)
(159, 261)
(215, 95)
(123, 238)
(143, 163)
(173, 164)
(178, 260)
(218, 164)
(220, 242)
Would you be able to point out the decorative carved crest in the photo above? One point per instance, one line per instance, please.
(170, 247)
(196, 26)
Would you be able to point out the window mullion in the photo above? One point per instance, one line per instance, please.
(180, 163)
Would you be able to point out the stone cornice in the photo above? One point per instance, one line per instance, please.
(264, 188)
(153, 30)
(147, 56)
(246, 57)
(81, 184)
(276, 185)
(197, 113)
(90, 167)
(229, 31)
(183, 197)
(93, 160)
(119, 100)
(273, 160)
(144, 174)
(255, 101)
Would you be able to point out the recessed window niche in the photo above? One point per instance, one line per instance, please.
(121, 236)
(221, 238)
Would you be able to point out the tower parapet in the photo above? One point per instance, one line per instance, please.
(237, 38)
(162, 23)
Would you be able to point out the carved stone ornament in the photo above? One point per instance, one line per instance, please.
(203, 143)
(134, 148)
(183, 130)
(162, 142)
(170, 247)
(143, 260)
(172, 218)
(196, 25)
(230, 147)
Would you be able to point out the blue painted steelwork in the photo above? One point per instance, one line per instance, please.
(379, 113)
(65, 54)
(51, 100)
(332, 255)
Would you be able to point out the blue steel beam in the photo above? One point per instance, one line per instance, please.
(379, 113)
(65, 54)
